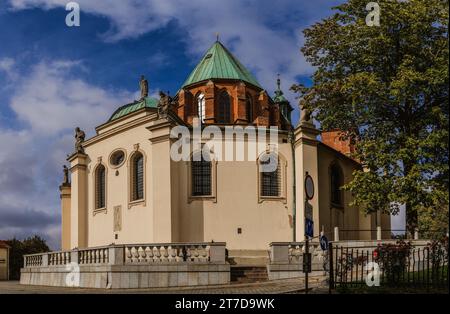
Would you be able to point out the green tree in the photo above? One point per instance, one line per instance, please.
(19, 248)
(386, 88)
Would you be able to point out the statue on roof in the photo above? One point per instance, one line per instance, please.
(165, 101)
(143, 84)
(79, 139)
(305, 113)
(66, 176)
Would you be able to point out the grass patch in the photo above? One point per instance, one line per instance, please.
(418, 282)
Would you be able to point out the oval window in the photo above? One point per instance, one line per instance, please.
(117, 158)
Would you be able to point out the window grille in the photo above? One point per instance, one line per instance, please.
(201, 177)
(100, 187)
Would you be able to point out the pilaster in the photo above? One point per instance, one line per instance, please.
(306, 162)
(78, 201)
(65, 196)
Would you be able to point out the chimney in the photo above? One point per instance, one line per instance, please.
(333, 139)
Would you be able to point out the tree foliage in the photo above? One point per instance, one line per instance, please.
(31, 245)
(386, 88)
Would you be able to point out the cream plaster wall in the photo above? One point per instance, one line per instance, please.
(137, 217)
(169, 214)
(347, 217)
(236, 205)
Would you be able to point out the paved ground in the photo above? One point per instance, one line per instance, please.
(268, 287)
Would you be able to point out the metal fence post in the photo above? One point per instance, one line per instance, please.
(331, 273)
(428, 269)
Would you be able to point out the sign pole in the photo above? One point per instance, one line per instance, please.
(306, 256)
(309, 225)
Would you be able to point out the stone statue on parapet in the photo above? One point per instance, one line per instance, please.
(143, 84)
(164, 104)
(305, 113)
(79, 139)
(66, 176)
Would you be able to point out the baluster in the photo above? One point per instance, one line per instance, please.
(208, 253)
(128, 254)
(148, 255)
(134, 255)
(155, 254)
(196, 254)
(101, 256)
(179, 257)
(189, 254)
(163, 252)
(204, 253)
(173, 254)
(141, 255)
(169, 254)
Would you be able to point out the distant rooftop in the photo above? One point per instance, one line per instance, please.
(147, 102)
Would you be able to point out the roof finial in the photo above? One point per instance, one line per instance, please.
(278, 81)
(217, 36)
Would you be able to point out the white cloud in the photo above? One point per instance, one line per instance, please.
(7, 66)
(264, 34)
(50, 103)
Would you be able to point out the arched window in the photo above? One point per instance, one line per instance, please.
(249, 108)
(200, 175)
(269, 168)
(137, 177)
(224, 108)
(336, 183)
(100, 187)
(200, 100)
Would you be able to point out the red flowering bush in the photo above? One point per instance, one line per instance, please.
(393, 259)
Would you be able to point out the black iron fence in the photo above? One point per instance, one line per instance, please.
(389, 265)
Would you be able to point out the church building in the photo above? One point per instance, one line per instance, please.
(123, 187)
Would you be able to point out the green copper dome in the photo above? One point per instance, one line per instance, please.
(219, 63)
(147, 102)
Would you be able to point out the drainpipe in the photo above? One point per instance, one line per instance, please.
(294, 201)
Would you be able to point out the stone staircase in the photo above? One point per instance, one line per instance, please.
(247, 274)
(248, 265)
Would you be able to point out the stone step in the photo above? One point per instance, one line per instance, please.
(248, 273)
(248, 257)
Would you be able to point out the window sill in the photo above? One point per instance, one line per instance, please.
(337, 206)
(272, 198)
(202, 198)
(100, 210)
(136, 203)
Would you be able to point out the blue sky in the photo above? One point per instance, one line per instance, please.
(54, 78)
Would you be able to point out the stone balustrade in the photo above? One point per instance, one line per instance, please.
(159, 253)
(93, 256)
(131, 266)
(168, 253)
(33, 260)
(286, 259)
(58, 258)
(292, 252)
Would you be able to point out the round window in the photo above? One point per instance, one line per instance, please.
(117, 158)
